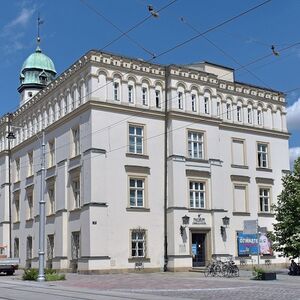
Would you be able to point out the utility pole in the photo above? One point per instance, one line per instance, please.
(9, 188)
(41, 276)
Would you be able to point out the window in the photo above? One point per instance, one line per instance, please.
(130, 94)
(239, 114)
(17, 169)
(51, 157)
(259, 117)
(136, 139)
(30, 164)
(16, 248)
(76, 141)
(264, 199)
(228, 111)
(51, 197)
(195, 144)
(76, 192)
(75, 245)
(157, 98)
(50, 246)
(138, 243)
(262, 155)
(29, 248)
(206, 105)
(193, 102)
(29, 196)
(240, 198)
(197, 194)
(17, 206)
(238, 152)
(218, 109)
(136, 192)
(249, 114)
(116, 91)
(180, 100)
(145, 95)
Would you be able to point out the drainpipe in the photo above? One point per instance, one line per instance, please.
(166, 173)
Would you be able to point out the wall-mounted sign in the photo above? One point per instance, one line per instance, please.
(199, 220)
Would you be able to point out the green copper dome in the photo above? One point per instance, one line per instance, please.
(38, 60)
(37, 70)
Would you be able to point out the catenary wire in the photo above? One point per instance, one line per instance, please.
(97, 11)
(222, 51)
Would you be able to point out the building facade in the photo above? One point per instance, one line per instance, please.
(143, 162)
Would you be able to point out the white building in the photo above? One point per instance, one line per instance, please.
(113, 195)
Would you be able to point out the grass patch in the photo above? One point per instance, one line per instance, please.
(50, 275)
(55, 277)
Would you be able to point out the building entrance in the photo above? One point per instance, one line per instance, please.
(199, 249)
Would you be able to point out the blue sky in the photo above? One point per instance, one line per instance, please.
(71, 28)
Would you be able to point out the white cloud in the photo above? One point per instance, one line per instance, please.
(12, 33)
(294, 154)
(293, 116)
(21, 20)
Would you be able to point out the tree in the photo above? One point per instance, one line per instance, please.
(286, 235)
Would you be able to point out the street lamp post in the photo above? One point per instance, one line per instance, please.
(10, 136)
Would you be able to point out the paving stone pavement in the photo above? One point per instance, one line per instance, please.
(179, 285)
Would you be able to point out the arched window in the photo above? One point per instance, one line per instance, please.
(239, 114)
(194, 100)
(117, 88)
(145, 93)
(259, 116)
(158, 96)
(249, 115)
(131, 91)
(180, 97)
(206, 102)
(228, 110)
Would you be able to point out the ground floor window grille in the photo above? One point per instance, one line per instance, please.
(138, 243)
(75, 245)
(16, 247)
(50, 247)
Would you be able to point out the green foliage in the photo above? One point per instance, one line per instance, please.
(258, 273)
(55, 277)
(30, 274)
(286, 235)
(50, 275)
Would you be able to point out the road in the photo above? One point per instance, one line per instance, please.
(155, 286)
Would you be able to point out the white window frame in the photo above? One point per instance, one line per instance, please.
(116, 90)
(145, 95)
(195, 144)
(239, 113)
(76, 190)
(30, 164)
(264, 199)
(228, 111)
(133, 139)
(17, 206)
(262, 155)
(76, 141)
(157, 99)
(51, 155)
(138, 243)
(130, 93)
(259, 117)
(206, 105)
(51, 197)
(134, 201)
(193, 102)
(197, 194)
(29, 197)
(180, 99)
(17, 169)
(249, 115)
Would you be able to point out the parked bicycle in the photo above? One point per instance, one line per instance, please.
(219, 268)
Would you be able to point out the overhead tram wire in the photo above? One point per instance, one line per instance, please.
(95, 10)
(222, 50)
(213, 28)
(182, 43)
(138, 24)
(185, 42)
(25, 165)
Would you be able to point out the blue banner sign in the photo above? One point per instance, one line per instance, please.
(247, 244)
